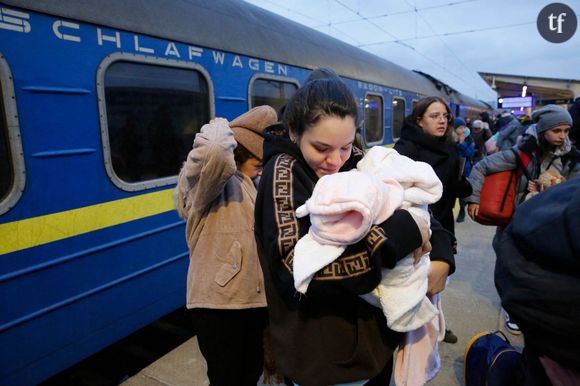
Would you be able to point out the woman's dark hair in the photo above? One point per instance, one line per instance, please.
(544, 146)
(423, 104)
(321, 73)
(317, 99)
(241, 155)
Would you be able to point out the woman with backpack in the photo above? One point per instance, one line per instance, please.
(544, 149)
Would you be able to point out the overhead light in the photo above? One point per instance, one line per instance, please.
(524, 90)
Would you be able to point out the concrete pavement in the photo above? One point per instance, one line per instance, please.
(470, 303)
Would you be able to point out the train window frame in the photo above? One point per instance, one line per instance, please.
(393, 115)
(140, 59)
(382, 120)
(14, 139)
(262, 76)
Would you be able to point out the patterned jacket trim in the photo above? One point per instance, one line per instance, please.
(346, 266)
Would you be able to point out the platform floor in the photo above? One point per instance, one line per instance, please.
(470, 303)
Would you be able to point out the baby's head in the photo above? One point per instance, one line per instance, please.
(550, 178)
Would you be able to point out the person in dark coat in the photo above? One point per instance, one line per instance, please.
(509, 129)
(537, 276)
(480, 133)
(485, 118)
(330, 335)
(466, 151)
(427, 136)
(575, 113)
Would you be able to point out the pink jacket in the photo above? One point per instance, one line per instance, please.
(217, 201)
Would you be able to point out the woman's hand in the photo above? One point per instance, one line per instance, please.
(425, 230)
(472, 210)
(423, 249)
(438, 272)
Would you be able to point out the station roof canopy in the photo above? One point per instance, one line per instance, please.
(545, 90)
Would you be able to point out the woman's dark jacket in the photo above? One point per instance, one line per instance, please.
(441, 154)
(537, 273)
(330, 335)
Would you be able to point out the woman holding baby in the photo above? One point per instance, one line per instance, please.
(330, 335)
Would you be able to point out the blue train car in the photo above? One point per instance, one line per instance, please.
(100, 103)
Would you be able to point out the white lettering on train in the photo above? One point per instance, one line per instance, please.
(142, 49)
(65, 30)
(237, 62)
(115, 39)
(171, 50)
(370, 87)
(269, 67)
(218, 57)
(194, 51)
(254, 64)
(56, 29)
(14, 20)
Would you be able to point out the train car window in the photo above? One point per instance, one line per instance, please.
(6, 167)
(373, 123)
(11, 160)
(398, 116)
(153, 114)
(415, 101)
(271, 92)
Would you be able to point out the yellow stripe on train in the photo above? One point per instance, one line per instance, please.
(22, 234)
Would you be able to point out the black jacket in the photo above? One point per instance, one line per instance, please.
(537, 273)
(330, 335)
(442, 156)
(575, 130)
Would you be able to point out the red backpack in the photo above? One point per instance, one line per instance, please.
(497, 199)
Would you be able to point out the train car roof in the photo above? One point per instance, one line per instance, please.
(235, 26)
(467, 100)
(454, 95)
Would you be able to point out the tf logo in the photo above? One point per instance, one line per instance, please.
(557, 22)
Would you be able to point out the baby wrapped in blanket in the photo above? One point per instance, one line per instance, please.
(342, 209)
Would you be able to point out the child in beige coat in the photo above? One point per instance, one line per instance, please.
(216, 195)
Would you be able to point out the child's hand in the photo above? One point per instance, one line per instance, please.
(534, 186)
(217, 119)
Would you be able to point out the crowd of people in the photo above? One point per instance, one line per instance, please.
(243, 189)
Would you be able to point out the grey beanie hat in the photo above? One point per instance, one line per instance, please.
(549, 117)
